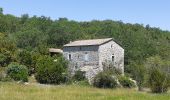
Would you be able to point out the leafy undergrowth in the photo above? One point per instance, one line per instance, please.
(14, 91)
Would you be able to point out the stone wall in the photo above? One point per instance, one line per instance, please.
(78, 61)
(78, 56)
(107, 50)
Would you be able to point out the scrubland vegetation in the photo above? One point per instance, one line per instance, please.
(24, 43)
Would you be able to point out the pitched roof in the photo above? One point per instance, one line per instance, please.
(88, 42)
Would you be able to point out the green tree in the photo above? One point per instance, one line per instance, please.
(49, 71)
(17, 72)
(1, 11)
(158, 74)
(7, 50)
(29, 39)
(138, 72)
(25, 57)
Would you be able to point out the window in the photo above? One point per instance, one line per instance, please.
(111, 46)
(86, 57)
(69, 57)
(113, 57)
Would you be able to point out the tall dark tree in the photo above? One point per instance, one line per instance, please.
(1, 10)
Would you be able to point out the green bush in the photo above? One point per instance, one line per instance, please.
(28, 59)
(79, 83)
(158, 81)
(111, 69)
(49, 71)
(158, 74)
(126, 82)
(17, 72)
(138, 72)
(5, 58)
(105, 80)
(79, 76)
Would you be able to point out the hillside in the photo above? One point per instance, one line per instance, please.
(37, 34)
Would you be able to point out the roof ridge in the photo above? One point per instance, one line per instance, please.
(88, 42)
(93, 39)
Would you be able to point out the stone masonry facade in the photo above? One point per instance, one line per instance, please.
(90, 57)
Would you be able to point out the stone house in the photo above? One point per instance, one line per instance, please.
(89, 56)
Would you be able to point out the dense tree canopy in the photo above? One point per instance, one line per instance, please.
(33, 33)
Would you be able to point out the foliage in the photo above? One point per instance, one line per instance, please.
(49, 71)
(112, 75)
(17, 72)
(158, 74)
(7, 49)
(36, 34)
(126, 82)
(3, 59)
(111, 69)
(79, 76)
(80, 83)
(1, 11)
(158, 81)
(30, 31)
(28, 39)
(105, 80)
(139, 73)
(139, 42)
(3, 76)
(28, 59)
(2, 73)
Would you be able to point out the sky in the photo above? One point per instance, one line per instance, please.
(156, 13)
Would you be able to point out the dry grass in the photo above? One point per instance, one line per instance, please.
(14, 91)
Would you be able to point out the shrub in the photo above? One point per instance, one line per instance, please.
(105, 80)
(5, 58)
(2, 74)
(80, 83)
(158, 81)
(28, 59)
(79, 76)
(126, 82)
(49, 71)
(158, 74)
(139, 72)
(17, 72)
(111, 69)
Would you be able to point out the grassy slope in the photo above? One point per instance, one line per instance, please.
(13, 91)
